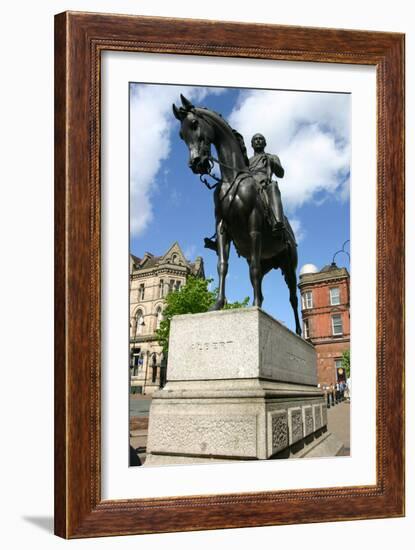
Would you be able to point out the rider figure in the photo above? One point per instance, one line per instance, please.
(263, 166)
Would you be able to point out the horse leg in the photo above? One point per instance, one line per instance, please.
(255, 271)
(261, 297)
(223, 246)
(261, 276)
(291, 280)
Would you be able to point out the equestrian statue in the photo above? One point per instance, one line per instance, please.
(248, 208)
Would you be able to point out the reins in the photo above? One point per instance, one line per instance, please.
(212, 160)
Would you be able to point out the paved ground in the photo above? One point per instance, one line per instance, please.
(338, 418)
(139, 408)
(139, 405)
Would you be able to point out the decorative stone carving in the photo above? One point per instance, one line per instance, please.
(277, 432)
(203, 435)
(308, 420)
(295, 424)
(317, 416)
(324, 414)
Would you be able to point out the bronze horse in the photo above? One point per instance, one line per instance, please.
(240, 213)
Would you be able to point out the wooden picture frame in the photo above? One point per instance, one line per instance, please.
(79, 40)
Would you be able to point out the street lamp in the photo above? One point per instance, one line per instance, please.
(139, 321)
(145, 376)
(333, 263)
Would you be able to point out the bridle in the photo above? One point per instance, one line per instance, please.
(212, 160)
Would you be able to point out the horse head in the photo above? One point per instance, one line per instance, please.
(197, 133)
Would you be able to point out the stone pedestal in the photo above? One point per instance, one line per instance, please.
(240, 386)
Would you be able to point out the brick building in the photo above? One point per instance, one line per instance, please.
(325, 308)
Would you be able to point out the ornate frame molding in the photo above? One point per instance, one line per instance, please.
(79, 40)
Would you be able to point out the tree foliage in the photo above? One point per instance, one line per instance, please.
(346, 362)
(193, 297)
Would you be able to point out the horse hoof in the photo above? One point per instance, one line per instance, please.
(217, 306)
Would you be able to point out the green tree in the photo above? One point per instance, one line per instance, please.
(346, 362)
(236, 305)
(193, 297)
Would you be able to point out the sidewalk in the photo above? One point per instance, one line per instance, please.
(338, 419)
(138, 436)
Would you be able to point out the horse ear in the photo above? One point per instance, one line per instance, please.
(177, 113)
(186, 103)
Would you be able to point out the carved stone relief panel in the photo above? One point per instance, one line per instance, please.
(295, 423)
(277, 431)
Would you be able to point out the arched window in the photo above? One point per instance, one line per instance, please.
(139, 322)
(159, 316)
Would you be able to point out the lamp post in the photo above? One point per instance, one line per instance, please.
(340, 251)
(333, 263)
(141, 323)
(163, 370)
(145, 376)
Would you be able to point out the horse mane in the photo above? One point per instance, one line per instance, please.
(242, 145)
(236, 134)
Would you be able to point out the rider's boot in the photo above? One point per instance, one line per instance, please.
(274, 198)
(211, 244)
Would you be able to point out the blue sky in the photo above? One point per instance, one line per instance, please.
(309, 131)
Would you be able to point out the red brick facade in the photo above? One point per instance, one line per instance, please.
(325, 308)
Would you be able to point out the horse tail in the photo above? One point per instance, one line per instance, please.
(290, 232)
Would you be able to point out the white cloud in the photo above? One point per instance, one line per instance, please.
(309, 131)
(298, 229)
(151, 123)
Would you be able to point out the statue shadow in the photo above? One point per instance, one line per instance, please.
(134, 458)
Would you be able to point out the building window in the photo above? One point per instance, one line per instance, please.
(334, 296)
(337, 325)
(306, 328)
(141, 292)
(307, 299)
(177, 285)
(139, 322)
(159, 317)
(137, 361)
(171, 285)
(161, 288)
